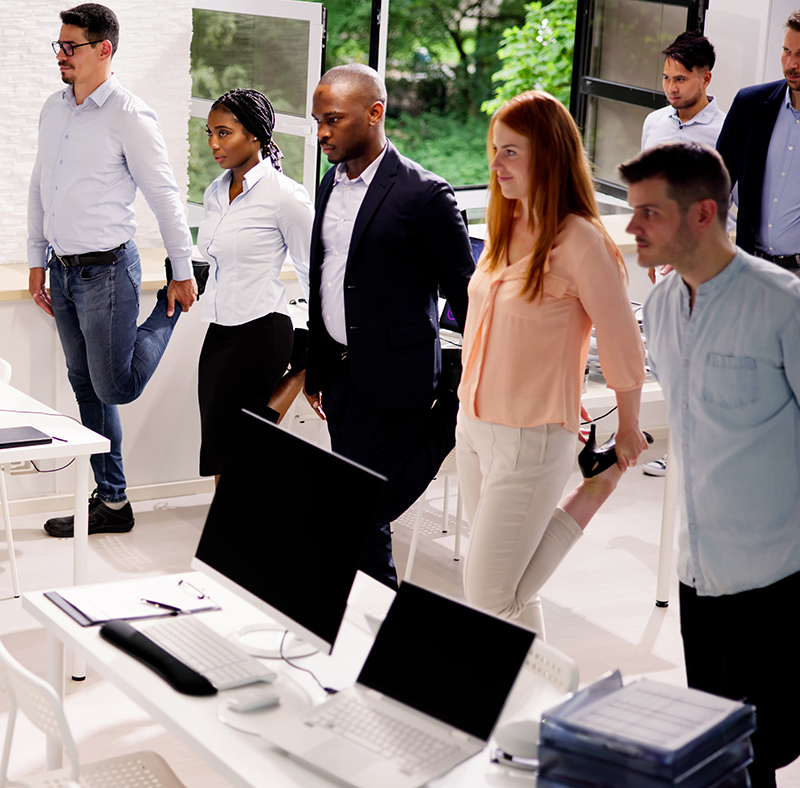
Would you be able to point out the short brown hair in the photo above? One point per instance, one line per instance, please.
(693, 172)
(794, 21)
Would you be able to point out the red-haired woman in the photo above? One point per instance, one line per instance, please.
(548, 273)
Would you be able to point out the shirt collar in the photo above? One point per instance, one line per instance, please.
(706, 115)
(366, 176)
(787, 102)
(721, 280)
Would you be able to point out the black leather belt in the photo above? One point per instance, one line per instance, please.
(789, 261)
(90, 258)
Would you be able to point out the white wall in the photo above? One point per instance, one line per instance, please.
(747, 36)
(153, 62)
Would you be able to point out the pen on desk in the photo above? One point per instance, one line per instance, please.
(162, 605)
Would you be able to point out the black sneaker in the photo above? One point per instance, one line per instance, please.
(102, 520)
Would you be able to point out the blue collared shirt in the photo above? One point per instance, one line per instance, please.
(664, 125)
(730, 372)
(779, 233)
(90, 160)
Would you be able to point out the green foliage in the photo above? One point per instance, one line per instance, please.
(449, 145)
(537, 55)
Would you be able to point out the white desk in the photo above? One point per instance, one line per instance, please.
(244, 759)
(78, 442)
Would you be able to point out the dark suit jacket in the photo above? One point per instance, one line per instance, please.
(408, 240)
(743, 144)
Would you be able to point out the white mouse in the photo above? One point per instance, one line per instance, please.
(253, 699)
(519, 739)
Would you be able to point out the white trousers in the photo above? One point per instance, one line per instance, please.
(511, 481)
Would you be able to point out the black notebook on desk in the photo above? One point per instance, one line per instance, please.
(12, 437)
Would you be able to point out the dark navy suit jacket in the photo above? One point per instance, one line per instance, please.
(408, 240)
(743, 144)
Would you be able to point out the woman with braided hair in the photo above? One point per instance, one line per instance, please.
(255, 218)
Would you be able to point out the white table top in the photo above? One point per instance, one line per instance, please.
(77, 440)
(244, 758)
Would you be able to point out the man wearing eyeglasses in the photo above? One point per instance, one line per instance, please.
(97, 144)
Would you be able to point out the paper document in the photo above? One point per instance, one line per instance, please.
(102, 602)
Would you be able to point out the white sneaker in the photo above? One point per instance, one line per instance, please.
(655, 467)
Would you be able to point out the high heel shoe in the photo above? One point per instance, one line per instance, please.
(594, 459)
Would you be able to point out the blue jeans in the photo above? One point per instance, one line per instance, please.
(109, 359)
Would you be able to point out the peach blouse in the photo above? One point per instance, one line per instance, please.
(524, 360)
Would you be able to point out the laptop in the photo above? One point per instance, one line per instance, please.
(428, 697)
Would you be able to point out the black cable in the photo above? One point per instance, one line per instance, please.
(44, 413)
(593, 421)
(286, 659)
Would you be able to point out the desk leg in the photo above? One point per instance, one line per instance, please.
(12, 560)
(55, 676)
(80, 570)
(668, 513)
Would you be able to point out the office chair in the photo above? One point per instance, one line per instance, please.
(447, 470)
(5, 377)
(40, 703)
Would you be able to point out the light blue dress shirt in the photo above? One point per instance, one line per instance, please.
(779, 233)
(90, 160)
(247, 242)
(730, 372)
(664, 125)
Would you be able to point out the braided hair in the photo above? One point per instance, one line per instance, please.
(254, 111)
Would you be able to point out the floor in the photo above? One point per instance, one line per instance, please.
(599, 607)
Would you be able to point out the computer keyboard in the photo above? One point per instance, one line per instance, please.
(195, 644)
(383, 734)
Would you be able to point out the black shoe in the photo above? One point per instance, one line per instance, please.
(594, 459)
(200, 271)
(102, 520)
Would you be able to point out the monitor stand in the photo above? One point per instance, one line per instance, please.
(264, 640)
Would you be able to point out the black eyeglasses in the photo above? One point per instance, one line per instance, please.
(69, 49)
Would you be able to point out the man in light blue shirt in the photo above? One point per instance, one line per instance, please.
(97, 144)
(723, 337)
(759, 144)
(692, 115)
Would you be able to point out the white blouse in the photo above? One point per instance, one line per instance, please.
(247, 242)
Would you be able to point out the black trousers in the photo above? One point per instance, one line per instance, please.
(407, 446)
(240, 366)
(744, 647)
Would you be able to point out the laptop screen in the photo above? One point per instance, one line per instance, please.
(446, 318)
(447, 660)
(286, 527)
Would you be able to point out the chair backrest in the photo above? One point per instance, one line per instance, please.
(5, 371)
(40, 703)
(557, 673)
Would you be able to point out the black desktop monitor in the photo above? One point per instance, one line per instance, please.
(286, 528)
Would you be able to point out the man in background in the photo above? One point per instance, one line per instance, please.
(760, 145)
(732, 390)
(97, 144)
(692, 115)
(387, 236)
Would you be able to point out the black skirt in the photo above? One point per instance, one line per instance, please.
(240, 366)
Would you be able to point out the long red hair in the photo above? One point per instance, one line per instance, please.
(560, 182)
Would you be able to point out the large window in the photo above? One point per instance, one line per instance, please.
(617, 72)
(275, 46)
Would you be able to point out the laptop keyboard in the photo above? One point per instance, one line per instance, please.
(414, 749)
(223, 663)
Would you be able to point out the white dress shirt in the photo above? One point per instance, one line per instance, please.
(90, 161)
(247, 241)
(341, 211)
(664, 125)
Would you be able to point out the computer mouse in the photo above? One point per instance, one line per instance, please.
(253, 699)
(519, 739)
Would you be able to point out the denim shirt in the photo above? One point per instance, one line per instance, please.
(730, 372)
